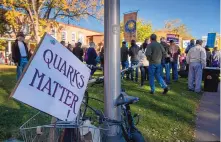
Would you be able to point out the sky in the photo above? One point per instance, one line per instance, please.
(200, 16)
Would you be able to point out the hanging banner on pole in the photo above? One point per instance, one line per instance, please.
(54, 81)
(130, 26)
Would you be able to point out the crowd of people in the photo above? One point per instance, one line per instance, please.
(157, 59)
(89, 55)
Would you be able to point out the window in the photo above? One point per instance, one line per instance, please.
(73, 37)
(63, 35)
(81, 38)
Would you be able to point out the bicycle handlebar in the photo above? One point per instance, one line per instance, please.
(130, 68)
(97, 81)
(101, 79)
(101, 116)
(94, 67)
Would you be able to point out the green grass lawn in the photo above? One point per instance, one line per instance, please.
(163, 118)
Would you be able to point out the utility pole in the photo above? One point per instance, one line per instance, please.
(112, 82)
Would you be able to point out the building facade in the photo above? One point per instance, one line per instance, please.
(69, 33)
(72, 34)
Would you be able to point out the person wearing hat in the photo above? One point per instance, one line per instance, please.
(20, 54)
(196, 58)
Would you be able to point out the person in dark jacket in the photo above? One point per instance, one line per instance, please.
(124, 57)
(145, 41)
(155, 53)
(191, 45)
(78, 51)
(208, 57)
(133, 53)
(102, 58)
(165, 60)
(20, 54)
(91, 55)
(216, 54)
(69, 47)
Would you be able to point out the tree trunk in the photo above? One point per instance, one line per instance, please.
(36, 30)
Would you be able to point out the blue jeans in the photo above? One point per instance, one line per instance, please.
(21, 67)
(132, 73)
(144, 74)
(195, 76)
(174, 67)
(125, 64)
(154, 71)
(165, 66)
(93, 70)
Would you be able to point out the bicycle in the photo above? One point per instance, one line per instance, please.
(127, 125)
(130, 132)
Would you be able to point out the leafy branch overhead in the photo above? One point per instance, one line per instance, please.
(38, 13)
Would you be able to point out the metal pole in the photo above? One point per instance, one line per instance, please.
(112, 82)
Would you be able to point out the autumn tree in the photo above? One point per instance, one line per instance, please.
(38, 14)
(4, 29)
(144, 30)
(2, 45)
(177, 27)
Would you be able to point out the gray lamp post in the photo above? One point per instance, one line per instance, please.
(112, 83)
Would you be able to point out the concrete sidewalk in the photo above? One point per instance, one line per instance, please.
(208, 118)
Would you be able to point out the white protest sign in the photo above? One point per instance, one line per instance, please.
(186, 43)
(54, 82)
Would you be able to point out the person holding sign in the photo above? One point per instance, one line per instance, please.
(20, 53)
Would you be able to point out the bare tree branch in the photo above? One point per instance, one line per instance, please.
(39, 8)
